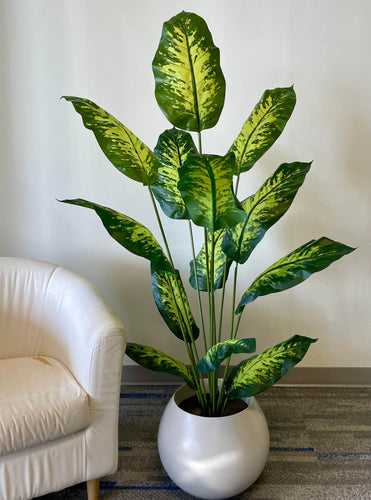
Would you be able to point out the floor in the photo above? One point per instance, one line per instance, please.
(320, 447)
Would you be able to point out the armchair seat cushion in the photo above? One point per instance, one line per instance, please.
(40, 401)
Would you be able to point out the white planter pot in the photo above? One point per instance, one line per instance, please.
(212, 457)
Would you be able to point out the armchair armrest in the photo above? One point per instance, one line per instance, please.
(81, 330)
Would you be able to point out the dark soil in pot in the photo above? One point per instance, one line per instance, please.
(191, 405)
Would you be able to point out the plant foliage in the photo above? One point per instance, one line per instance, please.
(202, 189)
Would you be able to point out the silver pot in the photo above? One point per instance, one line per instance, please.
(212, 457)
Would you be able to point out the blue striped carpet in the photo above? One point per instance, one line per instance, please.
(320, 447)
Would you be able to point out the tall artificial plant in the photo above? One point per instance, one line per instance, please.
(202, 190)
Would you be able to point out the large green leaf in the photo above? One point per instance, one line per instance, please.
(172, 149)
(294, 268)
(219, 352)
(263, 127)
(190, 86)
(171, 300)
(264, 209)
(221, 264)
(159, 362)
(124, 150)
(205, 182)
(129, 233)
(260, 372)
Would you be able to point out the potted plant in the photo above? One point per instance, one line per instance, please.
(202, 190)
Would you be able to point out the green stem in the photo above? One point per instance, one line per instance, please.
(224, 405)
(233, 300)
(222, 303)
(237, 325)
(199, 306)
(221, 394)
(207, 262)
(188, 327)
(199, 143)
(232, 335)
(209, 294)
(237, 182)
(214, 375)
(190, 347)
(184, 315)
(161, 226)
(212, 273)
(197, 285)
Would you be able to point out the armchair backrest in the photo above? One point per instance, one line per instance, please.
(23, 300)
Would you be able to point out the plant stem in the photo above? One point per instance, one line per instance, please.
(212, 277)
(214, 375)
(183, 318)
(222, 303)
(232, 335)
(233, 300)
(207, 270)
(208, 282)
(237, 182)
(197, 285)
(224, 405)
(221, 393)
(199, 143)
(212, 388)
(201, 392)
(161, 226)
(211, 301)
(237, 325)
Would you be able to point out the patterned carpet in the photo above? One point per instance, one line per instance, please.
(320, 447)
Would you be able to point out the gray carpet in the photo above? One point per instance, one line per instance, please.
(320, 447)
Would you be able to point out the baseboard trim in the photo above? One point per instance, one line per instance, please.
(298, 376)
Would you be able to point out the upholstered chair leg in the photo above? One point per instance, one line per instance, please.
(93, 489)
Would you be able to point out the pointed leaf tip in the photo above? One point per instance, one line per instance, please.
(158, 361)
(263, 127)
(260, 372)
(295, 268)
(122, 148)
(263, 209)
(190, 86)
(219, 352)
(129, 233)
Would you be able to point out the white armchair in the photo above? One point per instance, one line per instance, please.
(61, 353)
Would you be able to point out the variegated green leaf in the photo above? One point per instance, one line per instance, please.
(257, 374)
(294, 268)
(264, 209)
(221, 264)
(129, 233)
(263, 127)
(171, 300)
(172, 149)
(190, 86)
(159, 362)
(219, 352)
(205, 182)
(124, 150)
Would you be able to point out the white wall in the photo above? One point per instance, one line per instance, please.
(103, 50)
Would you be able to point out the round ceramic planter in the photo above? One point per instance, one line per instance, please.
(212, 457)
